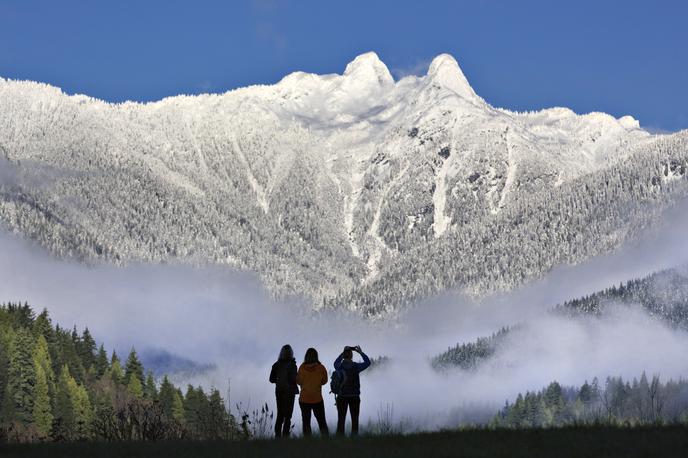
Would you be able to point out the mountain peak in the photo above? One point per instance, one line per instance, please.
(445, 71)
(368, 66)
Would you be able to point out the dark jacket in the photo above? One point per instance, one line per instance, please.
(352, 384)
(283, 375)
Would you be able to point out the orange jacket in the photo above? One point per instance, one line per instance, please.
(311, 377)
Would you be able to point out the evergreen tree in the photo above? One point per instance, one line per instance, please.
(21, 379)
(83, 412)
(87, 349)
(45, 387)
(133, 368)
(218, 418)
(6, 343)
(42, 412)
(166, 397)
(134, 388)
(41, 357)
(101, 361)
(65, 408)
(116, 372)
(150, 390)
(43, 326)
(178, 406)
(73, 411)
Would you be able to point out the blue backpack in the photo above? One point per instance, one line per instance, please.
(337, 381)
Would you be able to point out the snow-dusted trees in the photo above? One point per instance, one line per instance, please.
(369, 209)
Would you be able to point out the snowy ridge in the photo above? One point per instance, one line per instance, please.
(320, 183)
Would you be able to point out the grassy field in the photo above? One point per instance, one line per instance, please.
(559, 443)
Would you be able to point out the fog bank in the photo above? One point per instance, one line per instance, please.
(215, 315)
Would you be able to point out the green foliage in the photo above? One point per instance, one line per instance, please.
(133, 368)
(45, 388)
(21, 378)
(42, 411)
(92, 398)
(101, 362)
(134, 388)
(150, 390)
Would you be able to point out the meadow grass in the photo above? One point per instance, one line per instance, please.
(667, 441)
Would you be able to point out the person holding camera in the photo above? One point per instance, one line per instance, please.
(348, 390)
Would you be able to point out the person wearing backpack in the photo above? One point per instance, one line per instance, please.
(346, 386)
(311, 377)
(283, 375)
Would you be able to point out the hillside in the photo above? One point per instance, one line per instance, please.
(354, 190)
(58, 385)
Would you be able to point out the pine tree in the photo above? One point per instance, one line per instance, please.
(6, 343)
(150, 390)
(101, 361)
(178, 412)
(45, 387)
(73, 411)
(116, 372)
(134, 388)
(83, 412)
(65, 410)
(42, 325)
(218, 418)
(21, 379)
(42, 412)
(133, 368)
(87, 349)
(6, 348)
(166, 397)
(41, 357)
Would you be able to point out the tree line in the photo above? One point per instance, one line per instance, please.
(58, 385)
(663, 295)
(468, 356)
(617, 402)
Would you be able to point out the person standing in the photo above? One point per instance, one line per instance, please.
(283, 375)
(311, 377)
(349, 395)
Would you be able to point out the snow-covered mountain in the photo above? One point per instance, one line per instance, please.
(353, 189)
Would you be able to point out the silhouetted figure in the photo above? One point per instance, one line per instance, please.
(311, 377)
(283, 375)
(349, 393)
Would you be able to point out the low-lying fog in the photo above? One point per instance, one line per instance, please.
(218, 316)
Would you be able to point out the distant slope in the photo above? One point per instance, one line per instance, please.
(354, 190)
(470, 355)
(664, 295)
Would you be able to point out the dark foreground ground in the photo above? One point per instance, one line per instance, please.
(560, 443)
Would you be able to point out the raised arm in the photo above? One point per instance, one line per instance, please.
(365, 364)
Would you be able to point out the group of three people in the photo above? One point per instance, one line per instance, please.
(311, 376)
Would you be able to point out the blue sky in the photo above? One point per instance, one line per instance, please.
(621, 57)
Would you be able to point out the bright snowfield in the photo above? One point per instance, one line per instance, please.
(353, 190)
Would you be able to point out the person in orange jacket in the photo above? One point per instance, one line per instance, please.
(311, 377)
